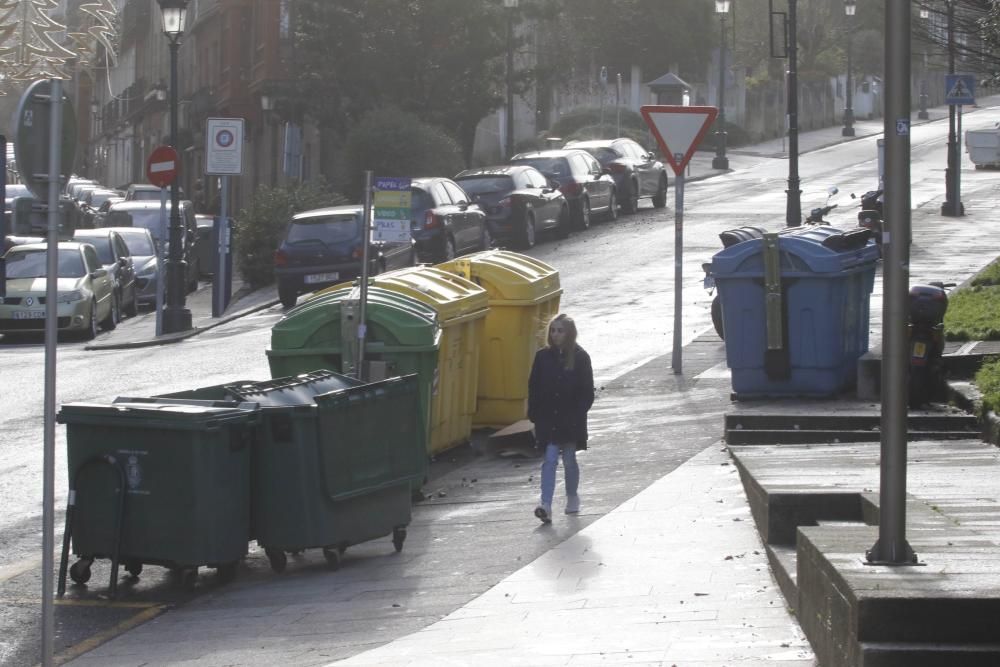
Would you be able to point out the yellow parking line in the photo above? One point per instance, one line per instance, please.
(108, 604)
(101, 637)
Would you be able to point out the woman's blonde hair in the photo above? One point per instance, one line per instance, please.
(569, 348)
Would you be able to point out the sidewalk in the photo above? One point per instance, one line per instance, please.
(673, 575)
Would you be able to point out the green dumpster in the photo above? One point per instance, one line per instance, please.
(185, 466)
(402, 338)
(329, 469)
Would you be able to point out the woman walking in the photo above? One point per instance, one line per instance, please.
(560, 392)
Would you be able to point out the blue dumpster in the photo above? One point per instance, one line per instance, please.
(795, 309)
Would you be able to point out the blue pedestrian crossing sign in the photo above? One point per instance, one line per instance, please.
(960, 89)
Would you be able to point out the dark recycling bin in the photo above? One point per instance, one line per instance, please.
(184, 467)
(331, 468)
(795, 309)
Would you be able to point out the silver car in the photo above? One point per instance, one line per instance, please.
(85, 288)
(143, 249)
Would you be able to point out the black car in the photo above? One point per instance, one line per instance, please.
(637, 172)
(117, 259)
(586, 185)
(147, 214)
(444, 221)
(324, 247)
(519, 202)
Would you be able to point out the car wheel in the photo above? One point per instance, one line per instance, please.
(562, 228)
(660, 198)
(583, 214)
(612, 214)
(449, 248)
(631, 203)
(133, 304)
(487, 238)
(90, 333)
(526, 239)
(114, 317)
(287, 296)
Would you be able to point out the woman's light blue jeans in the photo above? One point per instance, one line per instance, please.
(549, 464)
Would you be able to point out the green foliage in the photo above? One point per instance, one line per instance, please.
(570, 124)
(988, 382)
(260, 225)
(988, 276)
(973, 314)
(735, 136)
(391, 142)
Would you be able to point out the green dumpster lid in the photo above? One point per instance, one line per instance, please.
(157, 411)
(509, 278)
(393, 318)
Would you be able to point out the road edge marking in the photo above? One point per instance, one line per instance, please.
(100, 638)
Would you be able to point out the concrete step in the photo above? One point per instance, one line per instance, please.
(807, 437)
(782, 559)
(889, 654)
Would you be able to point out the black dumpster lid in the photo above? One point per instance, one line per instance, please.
(293, 390)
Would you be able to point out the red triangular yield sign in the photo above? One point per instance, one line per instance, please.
(678, 130)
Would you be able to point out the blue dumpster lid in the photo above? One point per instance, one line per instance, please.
(816, 249)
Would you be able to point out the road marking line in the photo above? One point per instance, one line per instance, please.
(101, 637)
(17, 569)
(62, 602)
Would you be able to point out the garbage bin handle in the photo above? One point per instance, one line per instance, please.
(776, 358)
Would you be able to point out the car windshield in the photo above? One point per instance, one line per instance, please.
(146, 218)
(103, 246)
(31, 264)
(96, 199)
(138, 245)
(16, 190)
(334, 229)
(485, 185)
(145, 195)
(555, 166)
(603, 155)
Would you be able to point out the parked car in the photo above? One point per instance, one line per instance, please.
(586, 185)
(146, 214)
(519, 202)
(143, 251)
(102, 210)
(92, 203)
(207, 251)
(637, 172)
(74, 185)
(116, 258)
(85, 288)
(12, 240)
(444, 221)
(324, 246)
(146, 192)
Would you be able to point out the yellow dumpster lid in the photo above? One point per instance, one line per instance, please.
(452, 296)
(508, 276)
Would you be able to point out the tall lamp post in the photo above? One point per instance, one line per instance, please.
(511, 6)
(176, 317)
(922, 114)
(849, 8)
(952, 205)
(720, 161)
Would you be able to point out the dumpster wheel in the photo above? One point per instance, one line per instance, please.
(227, 571)
(189, 578)
(279, 561)
(79, 571)
(332, 555)
(398, 537)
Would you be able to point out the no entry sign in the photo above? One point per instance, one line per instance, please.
(161, 168)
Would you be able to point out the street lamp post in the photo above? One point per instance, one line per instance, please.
(952, 205)
(176, 317)
(511, 6)
(720, 161)
(793, 204)
(849, 8)
(922, 114)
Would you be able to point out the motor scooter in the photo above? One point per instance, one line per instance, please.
(928, 305)
(870, 216)
(815, 216)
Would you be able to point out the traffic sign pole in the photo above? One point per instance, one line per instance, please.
(161, 259)
(366, 226)
(675, 358)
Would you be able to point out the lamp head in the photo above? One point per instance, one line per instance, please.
(722, 6)
(174, 14)
(850, 6)
(267, 103)
(925, 14)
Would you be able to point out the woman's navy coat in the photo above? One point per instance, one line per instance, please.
(558, 399)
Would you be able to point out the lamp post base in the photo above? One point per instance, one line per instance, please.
(176, 319)
(847, 132)
(720, 162)
(923, 115)
(953, 209)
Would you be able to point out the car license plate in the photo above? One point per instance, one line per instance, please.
(29, 314)
(321, 278)
(919, 350)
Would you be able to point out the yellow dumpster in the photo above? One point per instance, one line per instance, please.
(523, 296)
(461, 308)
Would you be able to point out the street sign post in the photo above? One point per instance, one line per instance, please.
(678, 130)
(161, 170)
(224, 157)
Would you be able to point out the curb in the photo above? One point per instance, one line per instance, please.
(182, 335)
